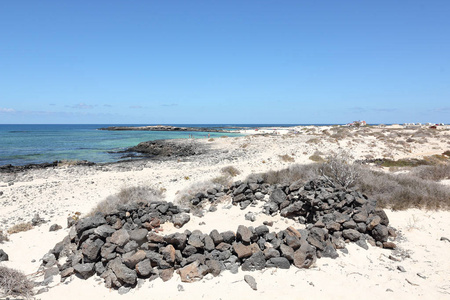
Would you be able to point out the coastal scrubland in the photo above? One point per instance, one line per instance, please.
(406, 170)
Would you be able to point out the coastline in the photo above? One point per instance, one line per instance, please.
(57, 192)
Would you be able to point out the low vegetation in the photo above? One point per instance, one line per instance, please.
(14, 283)
(291, 174)
(287, 158)
(231, 171)
(185, 196)
(3, 237)
(339, 168)
(20, 228)
(317, 157)
(416, 189)
(403, 191)
(127, 196)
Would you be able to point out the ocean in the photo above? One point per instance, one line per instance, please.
(34, 144)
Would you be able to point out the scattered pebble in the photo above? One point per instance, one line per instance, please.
(251, 282)
(401, 269)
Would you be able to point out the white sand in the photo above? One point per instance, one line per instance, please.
(370, 274)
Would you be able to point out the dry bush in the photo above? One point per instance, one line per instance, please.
(230, 170)
(211, 140)
(403, 191)
(15, 283)
(287, 176)
(126, 196)
(313, 141)
(20, 228)
(224, 180)
(3, 237)
(317, 157)
(339, 168)
(185, 196)
(435, 173)
(286, 158)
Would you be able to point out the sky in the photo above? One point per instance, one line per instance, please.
(224, 62)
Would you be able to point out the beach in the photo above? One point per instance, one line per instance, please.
(60, 192)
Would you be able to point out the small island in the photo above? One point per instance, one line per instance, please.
(162, 128)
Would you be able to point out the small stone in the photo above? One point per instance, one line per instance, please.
(144, 268)
(180, 219)
(123, 290)
(254, 262)
(244, 251)
(55, 227)
(250, 217)
(389, 245)
(280, 262)
(401, 269)
(180, 288)
(120, 237)
(268, 223)
(192, 272)
(251, 282)
(166, 274)
(84, 270)
(351, 234)
(243, 234)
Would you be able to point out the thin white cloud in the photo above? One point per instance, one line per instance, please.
(7, 110)
(82, 106)
(170, 105)
(442, 109)
(136, 107)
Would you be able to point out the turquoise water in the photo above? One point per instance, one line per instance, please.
(26, 144)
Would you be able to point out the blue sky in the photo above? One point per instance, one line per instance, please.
(290, 62)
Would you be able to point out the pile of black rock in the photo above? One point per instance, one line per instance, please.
(125, 246)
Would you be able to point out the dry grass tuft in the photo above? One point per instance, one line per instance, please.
(185, 196)
(435, 173)
(20, 228)
(403, 191)
(286, 158)
(224, 180)
(287, 176)
(230, 170)
(15, 283)
(137, 194)
(3, 237)
(317, 157)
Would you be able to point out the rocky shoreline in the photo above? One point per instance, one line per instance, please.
(154, 150)
(162, 128)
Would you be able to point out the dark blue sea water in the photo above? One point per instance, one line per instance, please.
(26, 144)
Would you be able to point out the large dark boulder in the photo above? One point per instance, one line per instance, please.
(3, 256)
(84, 270)
(278, 196)
(255, 262)
(123, 273)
